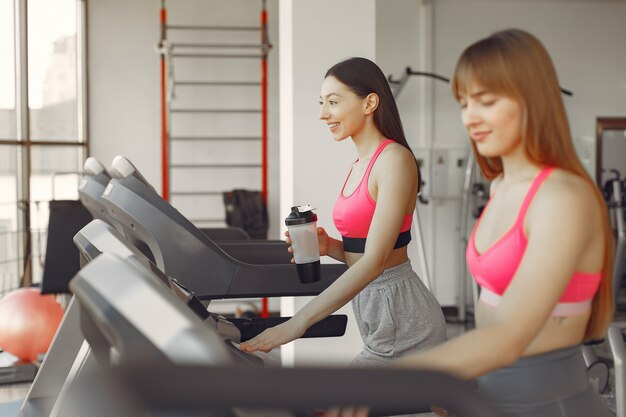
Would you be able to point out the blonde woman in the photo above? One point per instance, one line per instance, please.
(542, 249)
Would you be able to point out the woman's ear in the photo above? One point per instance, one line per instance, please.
(371, 103)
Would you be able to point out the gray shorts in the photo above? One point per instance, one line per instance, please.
(397, 316)
(552, 384)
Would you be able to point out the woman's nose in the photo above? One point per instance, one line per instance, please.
(324, 110)
(469, 116)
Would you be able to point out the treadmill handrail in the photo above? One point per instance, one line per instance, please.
(93, 167)
(405, 391)
(195, 260)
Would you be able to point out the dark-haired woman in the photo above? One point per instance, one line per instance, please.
(395, 312)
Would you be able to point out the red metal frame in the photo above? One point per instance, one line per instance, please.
(264, 105)
(264, 307)
(264, 135)
(164, 135)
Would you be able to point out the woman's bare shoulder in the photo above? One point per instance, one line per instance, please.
(562, 183)
(568, 192)
(394, 154)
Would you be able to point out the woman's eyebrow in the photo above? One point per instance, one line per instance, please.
(479, 93)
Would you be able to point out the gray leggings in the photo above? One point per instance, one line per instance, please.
(552, 384)
(396, 316)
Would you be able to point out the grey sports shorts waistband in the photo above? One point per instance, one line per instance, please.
(395, 273)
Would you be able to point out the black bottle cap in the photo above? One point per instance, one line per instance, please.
(301, 215)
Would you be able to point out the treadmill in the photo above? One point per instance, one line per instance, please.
(98, 237)
(68, 352)
(69, 356)
(93, 183)
(184, 253)
(67, 349)
(166, 362)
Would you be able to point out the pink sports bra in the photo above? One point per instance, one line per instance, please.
(494, 269)
(353, 214)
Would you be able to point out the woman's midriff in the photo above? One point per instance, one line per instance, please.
(396, 257)
(557, 332)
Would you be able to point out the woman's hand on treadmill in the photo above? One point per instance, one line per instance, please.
(274, 337)
(347, 412)
(322, 240)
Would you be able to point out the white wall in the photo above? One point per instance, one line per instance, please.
(124, 89)
(584, 38)
(398, 45)
(124, 83)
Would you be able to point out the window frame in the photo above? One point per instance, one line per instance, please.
(23, 141)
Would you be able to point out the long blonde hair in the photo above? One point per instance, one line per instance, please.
(514, 63)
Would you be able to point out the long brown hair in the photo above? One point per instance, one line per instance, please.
(363, 77)
(514, 63)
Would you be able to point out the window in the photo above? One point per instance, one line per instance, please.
(42, 125)
(7, 71)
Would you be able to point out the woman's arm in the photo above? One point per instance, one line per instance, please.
(558, 235)
(396, 188)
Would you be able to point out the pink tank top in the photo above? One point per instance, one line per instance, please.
(494, 269)
(353, 214)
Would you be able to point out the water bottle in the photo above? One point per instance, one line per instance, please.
(302, 226)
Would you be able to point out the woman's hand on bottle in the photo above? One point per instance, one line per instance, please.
(275, 336)
(322, 239)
